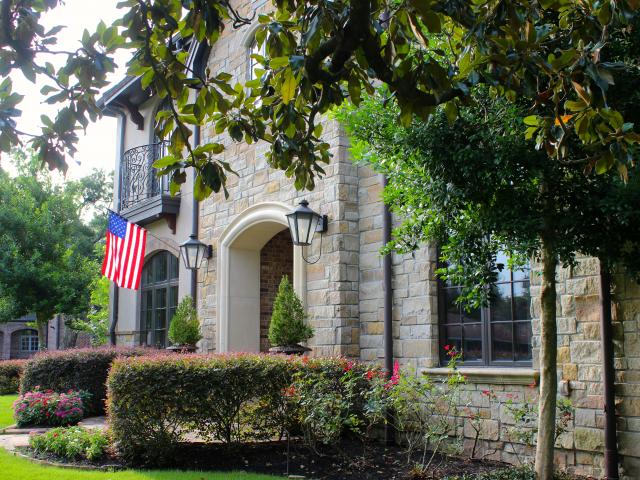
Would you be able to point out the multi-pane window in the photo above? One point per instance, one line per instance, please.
(498, 334)
(29, 341)
(159, 298)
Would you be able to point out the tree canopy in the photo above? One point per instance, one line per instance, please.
(319, 53)
(47, 260)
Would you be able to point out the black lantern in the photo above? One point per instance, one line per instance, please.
(304, 223)
(193, 251)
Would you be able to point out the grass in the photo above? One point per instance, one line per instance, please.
(6, 411)
(17, 468)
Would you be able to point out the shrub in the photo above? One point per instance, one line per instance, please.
(10, 373)
(76, 369)
(287, 321)
(72, 443)
(155, 401)
(40, 408)
(185, 324)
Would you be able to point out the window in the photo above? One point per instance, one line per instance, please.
(498, 334)
(159, 298)
(253, 63)
(29, 341)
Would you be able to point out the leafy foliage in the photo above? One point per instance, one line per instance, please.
(76, 369)
(48, 408)
(47, 262)
(320, 53)
(185, 324)
(71, 443)
(96, 323)
(287, 325)
(10, 373)
(155, 401)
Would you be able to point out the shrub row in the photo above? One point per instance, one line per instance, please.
(154, 401)
(83, 369)
(10, 373)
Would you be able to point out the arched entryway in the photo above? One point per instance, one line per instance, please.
(258, 237)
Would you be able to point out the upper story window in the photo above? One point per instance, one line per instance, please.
(253, 64)
(29, 341)
(498, 334)
(159, 298)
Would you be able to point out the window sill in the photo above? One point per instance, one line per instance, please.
(491, 375)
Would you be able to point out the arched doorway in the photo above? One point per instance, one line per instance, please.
(243, 314)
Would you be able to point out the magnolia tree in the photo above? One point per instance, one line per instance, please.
(475, 187)
(319, 53)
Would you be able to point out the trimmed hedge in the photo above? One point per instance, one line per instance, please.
(154, 401)
(82, 369)
(10, 373)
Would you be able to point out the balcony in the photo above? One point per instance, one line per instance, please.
(145, 197)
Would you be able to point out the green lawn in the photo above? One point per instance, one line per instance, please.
(16, 468)
(6, 412)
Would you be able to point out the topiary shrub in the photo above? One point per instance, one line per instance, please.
(10, 373)
(287, 327)
(83, 369)
(185, 324)
(155, 401)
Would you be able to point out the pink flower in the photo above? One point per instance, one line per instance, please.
(395, 376)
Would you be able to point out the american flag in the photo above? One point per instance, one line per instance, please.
(124, 256)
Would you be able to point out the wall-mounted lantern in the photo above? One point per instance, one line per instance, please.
(193, 251)
(304, 223)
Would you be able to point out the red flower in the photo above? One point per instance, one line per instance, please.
(486, 393)
(348, 366)
(395, 376)
(447, 347)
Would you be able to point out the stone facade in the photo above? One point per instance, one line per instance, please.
(343, 290)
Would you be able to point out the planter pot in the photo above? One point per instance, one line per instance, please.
(290, 349)
(182, 348)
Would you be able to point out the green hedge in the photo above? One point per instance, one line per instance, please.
(83, 369)
(10, 373)
(154, 401)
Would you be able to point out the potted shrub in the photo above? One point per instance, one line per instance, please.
(287, 328)
(184, 330)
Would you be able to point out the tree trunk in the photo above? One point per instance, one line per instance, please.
(42, 324)
(548, 366)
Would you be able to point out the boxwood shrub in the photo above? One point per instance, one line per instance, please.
(82, 369)
(153, 402)
(10, 373)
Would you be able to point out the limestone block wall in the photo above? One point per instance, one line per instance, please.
(415, 322)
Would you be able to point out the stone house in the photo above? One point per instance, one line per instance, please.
(344, 292)
(19, 340)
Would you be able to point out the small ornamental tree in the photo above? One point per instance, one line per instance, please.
(287, 321)
(185, 324)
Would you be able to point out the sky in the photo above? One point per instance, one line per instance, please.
(97, 147)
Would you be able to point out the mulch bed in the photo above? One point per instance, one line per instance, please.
(345, 463)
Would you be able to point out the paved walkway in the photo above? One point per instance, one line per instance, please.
(12, 438)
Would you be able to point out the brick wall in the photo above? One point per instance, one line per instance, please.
(276, 261)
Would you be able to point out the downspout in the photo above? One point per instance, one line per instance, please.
(388, 304)
(195, 221)
(116, 289)
(608, 376)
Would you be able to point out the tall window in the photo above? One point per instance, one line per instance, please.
(159, 298)
(253, 63)
(498, 334)
(29, 341)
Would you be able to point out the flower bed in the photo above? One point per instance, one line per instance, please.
(72, 443)
(48, 408)
(83, 369)
(10, 373)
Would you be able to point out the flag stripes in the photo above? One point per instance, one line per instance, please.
(124, 253)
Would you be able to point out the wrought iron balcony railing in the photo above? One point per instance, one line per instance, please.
(138, 179)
